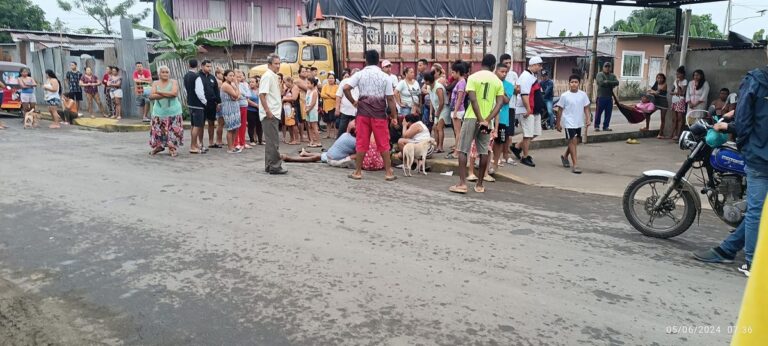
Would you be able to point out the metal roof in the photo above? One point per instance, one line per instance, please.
(549, 49)
(641, 3)
(78, 42)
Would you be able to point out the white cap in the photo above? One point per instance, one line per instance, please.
(535, 60)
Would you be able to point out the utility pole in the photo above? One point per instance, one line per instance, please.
(728, 15)
(498, 27)
(593, 61)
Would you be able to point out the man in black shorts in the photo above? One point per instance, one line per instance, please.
(196, 107)
(207, 91)
(73, 81)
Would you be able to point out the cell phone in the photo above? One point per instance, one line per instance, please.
(484, 129)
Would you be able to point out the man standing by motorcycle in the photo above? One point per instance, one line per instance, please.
(750, 125)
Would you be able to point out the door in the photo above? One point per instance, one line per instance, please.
(654, 68)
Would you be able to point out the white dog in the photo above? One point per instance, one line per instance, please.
(416, 151)
(31, 119)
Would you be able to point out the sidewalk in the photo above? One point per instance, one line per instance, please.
(111, 125)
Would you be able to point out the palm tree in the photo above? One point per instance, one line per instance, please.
(180, 48)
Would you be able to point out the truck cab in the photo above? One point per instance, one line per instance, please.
(306, 51)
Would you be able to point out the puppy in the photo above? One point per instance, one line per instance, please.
(30, 119)
(416, 151)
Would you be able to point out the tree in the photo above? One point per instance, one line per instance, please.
(23, 15)
(662, 21)
(88, 31)
(663, 17)
(563, 33)
(759, 35)
(59, 26)
(100, 11)
(180, 48)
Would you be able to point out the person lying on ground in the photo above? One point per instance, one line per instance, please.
(341, 154)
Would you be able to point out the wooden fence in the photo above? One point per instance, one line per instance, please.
(180, 67)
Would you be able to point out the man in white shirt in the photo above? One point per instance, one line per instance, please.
(531, 122)
(386, 67)
(270, 108)
(346, 111)
(376, 97)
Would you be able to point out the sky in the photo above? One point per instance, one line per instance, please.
(575, 17)
(572, 17)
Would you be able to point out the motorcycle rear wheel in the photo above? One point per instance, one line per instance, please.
(679, 224)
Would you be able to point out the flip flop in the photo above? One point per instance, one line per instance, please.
(479, 189)
(391, 178)
(456, 189)
(565, 162)
(355, 177)
(450, 156)
(215, 146)
(195, 151)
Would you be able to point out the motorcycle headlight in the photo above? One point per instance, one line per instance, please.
(686, 141)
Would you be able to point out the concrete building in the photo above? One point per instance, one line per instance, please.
(637, 57)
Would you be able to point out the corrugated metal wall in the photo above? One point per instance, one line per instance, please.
(192, 15)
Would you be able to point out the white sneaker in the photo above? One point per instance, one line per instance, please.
(745, 269)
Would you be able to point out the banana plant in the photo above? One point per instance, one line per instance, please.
(180, 48)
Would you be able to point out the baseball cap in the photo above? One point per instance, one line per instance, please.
(544, 73)
(535, 60)
(385, 63)
(607, 64)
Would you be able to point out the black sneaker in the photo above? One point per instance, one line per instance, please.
(528, 161)
(517, 151)
(745, 268)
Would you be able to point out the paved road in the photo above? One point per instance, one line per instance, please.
(100, 243)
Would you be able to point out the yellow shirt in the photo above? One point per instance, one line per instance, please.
(328, 94)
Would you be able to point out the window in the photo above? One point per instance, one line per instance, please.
(283, 17)
(632, 64)
(312, 53)
(217, 10)
(256, 35)
(320, 53)
(288, 51)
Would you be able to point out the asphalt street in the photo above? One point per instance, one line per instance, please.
(102, 244)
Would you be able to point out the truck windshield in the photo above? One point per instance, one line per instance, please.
(288, 51)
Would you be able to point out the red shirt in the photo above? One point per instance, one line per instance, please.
(144, 75)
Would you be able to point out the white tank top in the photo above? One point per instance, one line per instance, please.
(50, 95)
(423, 134)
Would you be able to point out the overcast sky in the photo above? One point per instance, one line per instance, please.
(572, 17)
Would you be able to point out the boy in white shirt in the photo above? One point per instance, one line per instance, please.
(573, 110)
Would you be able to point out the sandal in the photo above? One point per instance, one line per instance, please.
(215, 146)
(489, 178)
(390, 178)
(355, 177)
(195, 151)
(450, 156)
(479, 189)
(458, 189)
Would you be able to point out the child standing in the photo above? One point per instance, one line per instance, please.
(573, 110)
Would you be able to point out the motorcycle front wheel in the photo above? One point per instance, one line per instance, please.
(675, 215)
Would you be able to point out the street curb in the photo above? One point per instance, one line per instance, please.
(593, 138)
(109, 127)
(445, 165)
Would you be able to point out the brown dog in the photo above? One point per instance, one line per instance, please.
(416, 151)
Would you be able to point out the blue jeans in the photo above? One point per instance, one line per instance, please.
(745, 236)
(604, 104)
(550, 113)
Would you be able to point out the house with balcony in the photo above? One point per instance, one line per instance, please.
(254, 26)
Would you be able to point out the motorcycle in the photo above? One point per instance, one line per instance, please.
(664, 204)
